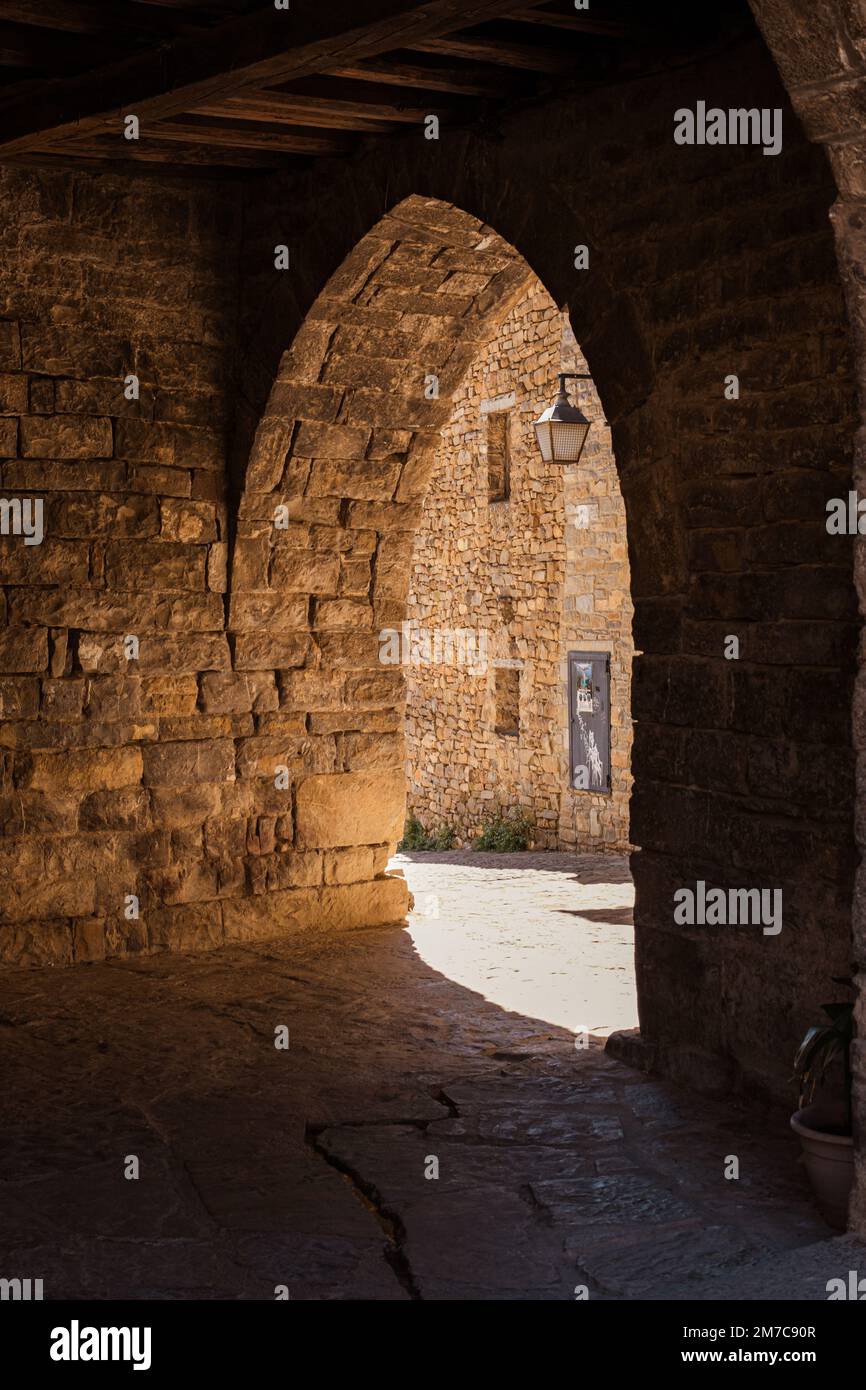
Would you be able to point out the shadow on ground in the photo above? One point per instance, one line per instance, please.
(306, 1167)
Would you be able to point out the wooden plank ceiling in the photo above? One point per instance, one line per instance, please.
(223, 86)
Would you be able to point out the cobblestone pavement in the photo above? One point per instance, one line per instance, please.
(306, 1167)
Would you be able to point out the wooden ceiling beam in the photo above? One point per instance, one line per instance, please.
(279, 139)
(155, 152)
(493, 50)
(259, 50)
(88, 17)
(470, 81)
(325, 112)
(161, 170)
(583, 22)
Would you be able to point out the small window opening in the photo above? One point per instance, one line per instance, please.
(508, 702)
(498, 461)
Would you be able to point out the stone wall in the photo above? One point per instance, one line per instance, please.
(529, 579)
(821, 54)
(110, 767)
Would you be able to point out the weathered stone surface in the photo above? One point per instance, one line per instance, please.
(182, 764)
(23, 649)
(270, 915)
(351, 865)
(124, 809)
(271, 873)
(261, 652)
(304, 571)
(257, 611)
(355, 808)
(236, 693)
(191, 927)
(188, 521)
(102, 769)
(66, 437)
(330, 441)
(13, 394)
(262, 755)
(364, 904)
(88, 940)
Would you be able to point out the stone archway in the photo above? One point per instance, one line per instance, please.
(736, 783)
(321, 564)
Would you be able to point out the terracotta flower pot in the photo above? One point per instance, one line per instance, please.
(829, 1159)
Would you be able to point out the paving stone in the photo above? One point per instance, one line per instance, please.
(654, 1263)
(615, 1198)
(305, 1167)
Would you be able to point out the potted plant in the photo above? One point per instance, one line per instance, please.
(824, 1126)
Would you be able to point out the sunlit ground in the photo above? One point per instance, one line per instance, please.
(554, 943)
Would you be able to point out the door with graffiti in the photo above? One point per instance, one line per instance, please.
(589, 720)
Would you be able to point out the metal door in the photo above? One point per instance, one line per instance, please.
(589, 721)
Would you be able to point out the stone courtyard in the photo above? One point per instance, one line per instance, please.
(559, 1168)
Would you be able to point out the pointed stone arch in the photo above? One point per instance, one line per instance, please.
(331, 501)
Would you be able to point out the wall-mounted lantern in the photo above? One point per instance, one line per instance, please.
(561, 430)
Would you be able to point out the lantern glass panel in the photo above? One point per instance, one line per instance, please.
(567, 441)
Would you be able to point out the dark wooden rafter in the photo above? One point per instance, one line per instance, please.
(488, 49)
(471, 80)
(251, 136)
(329, 113)
(577, 22)
(182, 152)
(261, 49)
(241, 85)
(90, 17)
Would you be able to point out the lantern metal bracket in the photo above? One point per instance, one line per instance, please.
(575, 376)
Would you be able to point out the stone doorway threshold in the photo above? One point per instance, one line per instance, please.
(306, 1167)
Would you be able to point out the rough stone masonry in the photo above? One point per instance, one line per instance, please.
(534, 574)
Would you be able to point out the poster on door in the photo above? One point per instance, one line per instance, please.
(589, 721)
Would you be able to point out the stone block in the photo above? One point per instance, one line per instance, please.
(320, 441)
(158, 564)
(66, 437)
(13, 394)
(260, 651)
(187, 927)
(268, 612)
(185, 764)
(23, 649)
(88, 940)
(84, 769)
(270, 915)
(356, 808)
(378, 903)
(303, 571)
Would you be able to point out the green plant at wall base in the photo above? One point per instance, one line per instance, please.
(505, 834)
(820, 1047)
(415, 837)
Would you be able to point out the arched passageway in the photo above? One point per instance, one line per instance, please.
(735, 783)
(241, 781)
